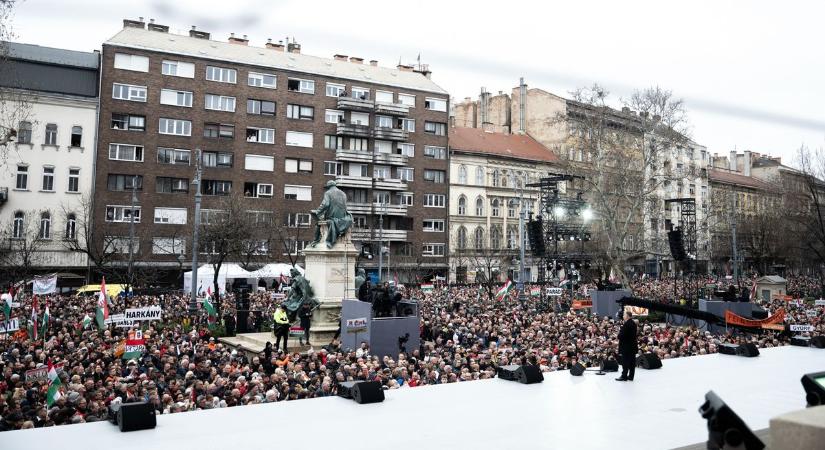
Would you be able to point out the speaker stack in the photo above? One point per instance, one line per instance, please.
(242, 307)
(677, 245)
(535, 235)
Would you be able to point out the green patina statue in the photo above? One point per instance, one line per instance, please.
(333, 210)
(300, 292)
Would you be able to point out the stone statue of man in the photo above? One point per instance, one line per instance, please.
(333, 210)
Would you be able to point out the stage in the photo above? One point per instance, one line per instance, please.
(657, 411)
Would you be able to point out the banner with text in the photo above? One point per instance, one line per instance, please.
(44, 285)
(41, 373)
(148, 313)
(734, 319)
(8, 326)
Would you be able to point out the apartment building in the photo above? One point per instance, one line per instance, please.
(52, 94)
(273, 126)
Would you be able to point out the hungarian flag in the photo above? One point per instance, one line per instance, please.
(86, 321)
(46, 317)
(535, 291)
(134, 346)
(508, 286)
(8, 299)
(33, 328)
(53, 393)
(102, 311)
(210, 308)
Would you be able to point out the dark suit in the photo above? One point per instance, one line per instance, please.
(628, 347)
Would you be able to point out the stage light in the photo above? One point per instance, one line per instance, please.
(558, 211)
(587, 214)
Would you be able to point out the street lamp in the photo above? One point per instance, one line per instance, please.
(587, 214)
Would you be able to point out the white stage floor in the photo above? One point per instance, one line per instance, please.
(656, 411)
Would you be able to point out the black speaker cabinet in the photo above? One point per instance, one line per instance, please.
(577, 370)
(818, 341)
(345, 389)
(648, 361)
(748, 350)
(509, 373)
(610, 365)
(368, 392)
(728, 349)
(801, 341)
(136, 416)
(529, 374)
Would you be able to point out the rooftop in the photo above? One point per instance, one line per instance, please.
(144, 39)
(50, 55)
(728, 177)
(521, 146)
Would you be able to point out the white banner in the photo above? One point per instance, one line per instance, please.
(44, 285)
(120, 321)
(802, 328)
(820, 302)
(9, 326)
(357, 323)
(636, 310)
(554, 292)
(148, 313)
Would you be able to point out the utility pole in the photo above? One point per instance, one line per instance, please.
(131, 235)
(381, 242)
(733, 240)
(193, 300)
(521, 274)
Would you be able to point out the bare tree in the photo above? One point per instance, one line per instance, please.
(22, 245)
(223, 236)
(809, 214)
(94, 240)
(15, 104)
(487, 258)
(287, 237)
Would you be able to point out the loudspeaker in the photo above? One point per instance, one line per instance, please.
(368, 392)
(748, 350)
(529, 374)
(509, 373)
(136, 416)
(577, 370)
(728, 349)
(610, 365)
(345, 388)
(801, 341)
(535, 235)
(677, 246)
(648, 361)
(818, 341)
(406, 309)
(242, 321)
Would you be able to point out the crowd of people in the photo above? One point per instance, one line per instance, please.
(465, 335)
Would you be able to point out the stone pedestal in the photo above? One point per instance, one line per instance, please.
(331, 273)
(799, 429)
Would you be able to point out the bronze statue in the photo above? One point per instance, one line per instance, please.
(300, 292)
(333, 210)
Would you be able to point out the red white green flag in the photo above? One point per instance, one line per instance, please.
(33, 327)
(210, 308)
(53, 393)
(508, 286)
(102, 310)
(535, 291)
(134, 347)
(46, 317)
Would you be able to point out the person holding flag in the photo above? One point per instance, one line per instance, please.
(46, 317)
(33, 328)
(102, 310)
(212, 315)
(508, 286)
(53, 393)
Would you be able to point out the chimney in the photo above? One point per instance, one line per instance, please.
(374, 62)
(747, 164)
(404, 68)
(356, 60)
(732, 161)
(198, 34)
(340, 57)
(625, 110)
(279, 46)
(157, 27)
(128, 23)
(293, 47)
(237, 40)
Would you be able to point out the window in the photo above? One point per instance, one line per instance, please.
(406, 173)
(74, 180)
(436, 128)
(381, 172)
(217, 159)
(357, 195)
(495, 237)
(118, 182)
(405, 198)
(22, 177)
(511, 209)
(128, 122)
(300, 112)
(332, 168)
(175, 98)
(260, 135)
(296, 220)
(383, 121)
(333, 142)
(51, 134)
(357, 118)
(407, 99)
(462, 174)
(174, 216)
(169, 185)
(126, 152)
(122, 213)
(384, 97)
(131, 62)
(178, 69)
(209, 216)
(24, 133)
(221, 74)
(432, 250)
(71, 227)
(496, 178)
(380, 197)
(494, 206)
(512, 239)
(264, 190)
(216, 187)
(45, 226)
(479, 237)
(261, 107)
(303, 86)
(361, 93)
(333, 116)
(435, 152)
(260, 217)
(293, 165)
(176, 127)
(302, 193)
(479, 206)
(383, 147)
(48, 178)
(480, 176)
(174, 156)
(358, 144)
(335, 90)
(434, 176)
(435, 104)
(117, 244)
(406, 149)
(462, 238)
(219, 130)
(358, 170)
(168, 246)
(263, 80)
(298, 139)
(129, 92)
(257, 190)
(77, 137)
(407, 125)
(462, 205)
(433, 225)
(18, 229)
(219, 102)
(434, 200)
(295, 246)
(259, 162)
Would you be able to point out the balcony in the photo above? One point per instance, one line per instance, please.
(351, 129)
(364, 234)
(390, 210)
(390, 134)
(353, 155)
(355, 104)
(392, 109)
(391, 159)
(354, 182)
(390, 184)
(359, 208)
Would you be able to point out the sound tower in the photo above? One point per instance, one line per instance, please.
(136, 416)
(648, 361)
(677, 245)
(535, 235)
(242, 307)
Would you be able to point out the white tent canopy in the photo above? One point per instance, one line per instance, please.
(206, 275)
(275, 271)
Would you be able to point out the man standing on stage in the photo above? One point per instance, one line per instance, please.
(628, 347)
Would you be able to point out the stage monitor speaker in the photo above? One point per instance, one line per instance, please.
(749, 350)
(648, 361)
(818, 341)
(509, 373)
(529, 374)
(136, 416)
(368, 392)
(801, 341)
(611, 365)
(406, 309)
(345, 389)
(577, 370)
(728, 349)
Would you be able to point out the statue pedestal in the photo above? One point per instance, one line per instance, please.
(331, 273)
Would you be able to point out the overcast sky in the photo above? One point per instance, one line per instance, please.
(750, 71)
